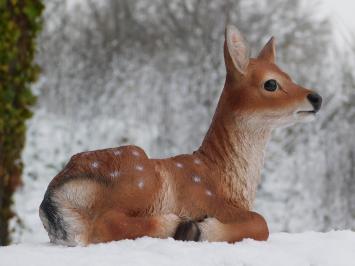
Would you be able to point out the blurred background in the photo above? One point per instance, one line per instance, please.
(149, 73)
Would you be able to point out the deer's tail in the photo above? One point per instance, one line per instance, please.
(52, 218)
(64, 211)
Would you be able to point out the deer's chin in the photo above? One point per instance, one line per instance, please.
(305, 116)
(296, 117)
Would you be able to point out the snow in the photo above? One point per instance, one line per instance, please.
(309, 248)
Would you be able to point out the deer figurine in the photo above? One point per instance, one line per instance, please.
(119, 193)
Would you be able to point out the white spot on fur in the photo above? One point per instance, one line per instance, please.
(95, 164)
(115, 174)
(197, 161)
(135, 153)
(179, 165)
(141, 184)
(139, 167)
(196, 179)
(208, 192)
(117, 152)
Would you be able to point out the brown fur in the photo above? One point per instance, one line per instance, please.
(134, 196)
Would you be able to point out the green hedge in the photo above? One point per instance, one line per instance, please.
(20, 21)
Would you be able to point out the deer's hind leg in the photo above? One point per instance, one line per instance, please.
(247, 225)
(114, 225)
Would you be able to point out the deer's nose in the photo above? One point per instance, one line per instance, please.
(316, 100)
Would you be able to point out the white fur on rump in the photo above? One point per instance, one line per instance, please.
(72, 199)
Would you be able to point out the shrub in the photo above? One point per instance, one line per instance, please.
(20, 21)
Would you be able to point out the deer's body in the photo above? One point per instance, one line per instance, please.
(120, 193)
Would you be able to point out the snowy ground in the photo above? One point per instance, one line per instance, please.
(333, 248)
(311, 249)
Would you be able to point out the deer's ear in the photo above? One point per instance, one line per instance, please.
(268, 53)
(236, 50)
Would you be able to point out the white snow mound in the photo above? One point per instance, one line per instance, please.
(308, 249)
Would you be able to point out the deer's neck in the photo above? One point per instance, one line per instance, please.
(236, 148)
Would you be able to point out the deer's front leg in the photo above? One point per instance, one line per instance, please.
(245, 224)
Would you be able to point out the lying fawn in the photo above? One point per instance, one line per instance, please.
(120, 193)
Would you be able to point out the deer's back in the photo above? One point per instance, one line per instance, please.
(122, 178)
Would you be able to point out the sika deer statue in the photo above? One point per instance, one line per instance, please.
(119, 193)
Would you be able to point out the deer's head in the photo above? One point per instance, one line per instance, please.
(258, 90)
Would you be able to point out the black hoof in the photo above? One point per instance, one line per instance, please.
(187, 231)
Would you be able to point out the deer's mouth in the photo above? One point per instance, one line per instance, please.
(306, 112)
(305, 115)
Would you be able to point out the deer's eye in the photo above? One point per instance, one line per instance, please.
(270, 85)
